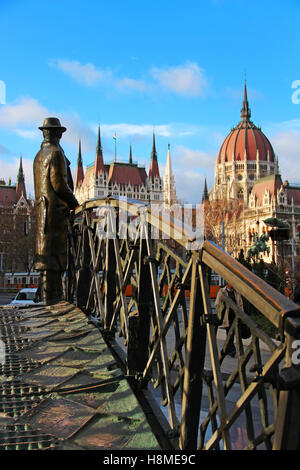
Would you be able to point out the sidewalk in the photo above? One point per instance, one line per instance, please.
(60, 387)
(229, 362)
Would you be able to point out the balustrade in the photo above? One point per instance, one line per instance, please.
(151, 295)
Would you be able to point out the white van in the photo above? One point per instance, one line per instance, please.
(26, 296)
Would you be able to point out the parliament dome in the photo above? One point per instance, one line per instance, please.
(246, 141)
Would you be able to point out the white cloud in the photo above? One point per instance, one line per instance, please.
(129, 84)
(285, 139)
(25, 112)
(90, 75)
(28, 174)
(286, 145)
(189, 185)
(196, 159)
(139, 131)
(292, 124)
(76, 129)
(28, 133)
(4, 150)
(25, 115)
(123, 130)
(186, 80)
(190, 168)
(86, 74)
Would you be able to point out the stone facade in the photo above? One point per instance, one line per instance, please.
(248, 191)
(125, 179)
(17, 227)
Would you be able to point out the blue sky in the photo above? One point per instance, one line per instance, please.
(175, 67)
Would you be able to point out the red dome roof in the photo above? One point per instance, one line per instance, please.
(246, 139)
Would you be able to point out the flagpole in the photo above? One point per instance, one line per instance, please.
(115, 139)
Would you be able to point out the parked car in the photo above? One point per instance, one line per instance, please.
(26, 296)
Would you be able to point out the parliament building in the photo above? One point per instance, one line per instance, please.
(252, 200)
(125, 179)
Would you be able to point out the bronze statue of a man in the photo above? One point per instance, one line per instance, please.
(54, 199)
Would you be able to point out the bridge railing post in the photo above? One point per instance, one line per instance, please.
(84, 274)
(139, 320)
(287, 425)
(69, 275)
(110, 284)
(194, 365)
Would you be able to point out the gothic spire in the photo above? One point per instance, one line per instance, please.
(130, 155)
(153, 169)
(79, 175)
(169, 171)
(21, 172)
(245, 111)
(99, 146)
(99, 164)
(20, 188)
(205, 192)
(153, 145)
(169, 183)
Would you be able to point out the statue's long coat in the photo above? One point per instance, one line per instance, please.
(54, 196)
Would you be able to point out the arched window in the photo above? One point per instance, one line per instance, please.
(240, 194)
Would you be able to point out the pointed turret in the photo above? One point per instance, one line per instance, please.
(245, 111)
(20, 188)
(205, 192)
(79, 175)
(153, 169)
(130, 155)
(169, 183)
(99, 164)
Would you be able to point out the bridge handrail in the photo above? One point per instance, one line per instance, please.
(99, 273)
(264, 297)
(276, 306)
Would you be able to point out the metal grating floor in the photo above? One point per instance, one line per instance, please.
(22, 437)
(60, 387)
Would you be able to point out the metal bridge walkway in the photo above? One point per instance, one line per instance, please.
(60, 387)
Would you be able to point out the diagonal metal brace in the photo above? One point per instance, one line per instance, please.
(288, 378)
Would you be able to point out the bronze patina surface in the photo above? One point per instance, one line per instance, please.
(54, 199)
(60, 387)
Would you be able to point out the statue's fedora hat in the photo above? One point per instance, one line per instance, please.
(52, 122)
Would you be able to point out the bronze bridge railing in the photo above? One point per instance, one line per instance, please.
(153, 295)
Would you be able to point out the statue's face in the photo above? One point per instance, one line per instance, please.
(52, 135)
(47, 134)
